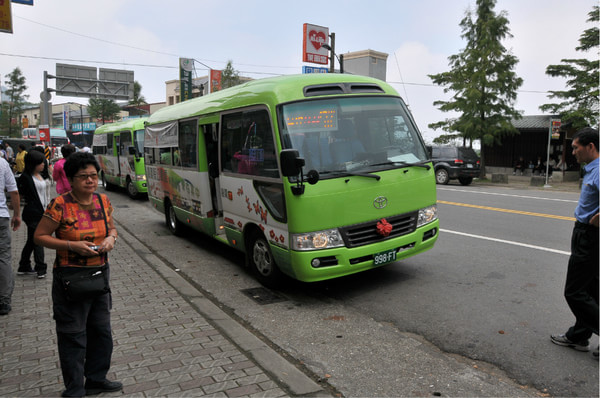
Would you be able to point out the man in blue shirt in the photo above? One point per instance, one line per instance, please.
(581, 287)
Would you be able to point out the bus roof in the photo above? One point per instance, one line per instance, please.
(134, 124)
(273, 90)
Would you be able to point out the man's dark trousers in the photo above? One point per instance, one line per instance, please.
(581, 287)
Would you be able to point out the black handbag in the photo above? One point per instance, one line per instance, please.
(81, 283)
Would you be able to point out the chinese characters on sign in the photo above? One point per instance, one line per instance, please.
(312, 44)
(5, 17)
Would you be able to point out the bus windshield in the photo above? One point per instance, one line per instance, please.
(362, 134)
(138, 140)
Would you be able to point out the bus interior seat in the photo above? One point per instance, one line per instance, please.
(316, 152)
(346, 144)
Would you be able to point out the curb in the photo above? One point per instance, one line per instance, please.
(272, 362)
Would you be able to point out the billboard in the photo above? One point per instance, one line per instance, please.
(5, 17)
(186, 66)
(215, 80)
(312, 44)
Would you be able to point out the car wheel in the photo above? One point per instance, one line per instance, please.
(441, 176)
(174, 225)
(262, 262)
(465, 180)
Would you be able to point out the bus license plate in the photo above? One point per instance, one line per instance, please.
(384, 257)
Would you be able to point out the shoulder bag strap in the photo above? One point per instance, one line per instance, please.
(103, 213)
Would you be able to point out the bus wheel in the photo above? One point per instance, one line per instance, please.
(173, 223)
(263, 263)
(131, 189)
(107, 185)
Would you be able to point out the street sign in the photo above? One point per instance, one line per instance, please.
(5, 16)
(186, 67)
(44, 133)
(89, 82)
(314, 69)
(312, 44)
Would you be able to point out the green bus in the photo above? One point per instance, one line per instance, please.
(313, 176)
(119, 148)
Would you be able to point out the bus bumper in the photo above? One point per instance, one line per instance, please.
(317, 265)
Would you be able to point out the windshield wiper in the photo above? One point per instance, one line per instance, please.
(406, 164)
(351, 173)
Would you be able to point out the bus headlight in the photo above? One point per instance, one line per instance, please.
(317, 240)
(427, 215)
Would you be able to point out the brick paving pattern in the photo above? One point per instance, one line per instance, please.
(163, 346)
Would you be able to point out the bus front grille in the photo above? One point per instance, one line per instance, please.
(366, 233)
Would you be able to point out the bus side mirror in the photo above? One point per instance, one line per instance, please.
(291, 162)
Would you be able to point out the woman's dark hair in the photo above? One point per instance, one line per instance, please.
(22, 146)
(78, 161)
(67, 149)
(32, 160)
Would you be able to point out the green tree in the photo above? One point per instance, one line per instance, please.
(12, 110)
(579, 104)
(137, 100)
(229, 77)
(483, 80)
(103, 109)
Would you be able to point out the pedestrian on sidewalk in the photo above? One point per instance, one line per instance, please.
(35, 189)
(20, 159)
(581, 287)
(81, 219)
(58, 173)
(7, 281)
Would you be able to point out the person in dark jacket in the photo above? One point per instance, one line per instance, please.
(35, 189)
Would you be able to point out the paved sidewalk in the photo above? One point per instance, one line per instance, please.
(169, 339)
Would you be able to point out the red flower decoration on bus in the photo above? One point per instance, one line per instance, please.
(384, 228)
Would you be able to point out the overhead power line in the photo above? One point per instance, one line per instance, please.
(143, 49)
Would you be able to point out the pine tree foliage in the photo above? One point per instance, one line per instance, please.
(482, 80)
(103, 109)
(579, 104)
(12, 110)
(230, 77)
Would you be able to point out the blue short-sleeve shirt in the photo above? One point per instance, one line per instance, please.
(588, 200)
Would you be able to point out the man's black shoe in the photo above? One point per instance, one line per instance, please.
(95, 388)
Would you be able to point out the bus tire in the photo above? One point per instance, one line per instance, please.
(107, 185)
(173, 224)
(262, 262)
(131, 189)
(442, 176)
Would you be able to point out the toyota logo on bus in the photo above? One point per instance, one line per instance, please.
(380, 202)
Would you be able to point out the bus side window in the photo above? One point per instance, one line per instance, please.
(109, 144)
(165, 156)
(247, 144)
(186, 153)
(149, 155)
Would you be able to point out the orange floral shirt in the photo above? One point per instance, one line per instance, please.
(76, 222)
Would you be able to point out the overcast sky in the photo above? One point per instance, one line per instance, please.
(264, 38)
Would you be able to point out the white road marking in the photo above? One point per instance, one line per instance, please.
(546, 249)
(506, 194)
